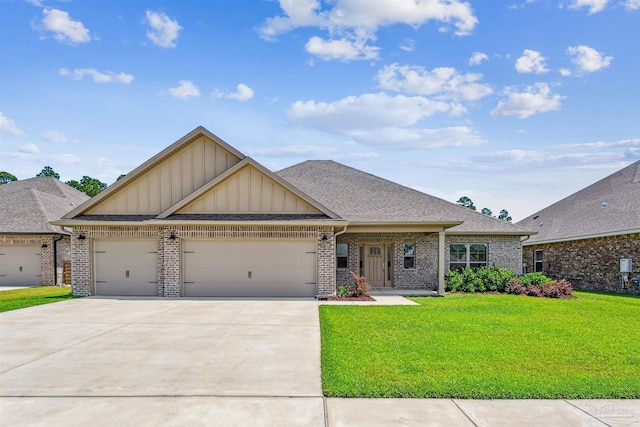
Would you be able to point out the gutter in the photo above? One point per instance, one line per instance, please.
(589, 236)
(55, 258)
(157, 222)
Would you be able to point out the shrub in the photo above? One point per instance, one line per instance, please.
(453, 281)
(481, 279)
(361, 286)
(535, 279)
(516, 287)
(495, 278)
(343, 291)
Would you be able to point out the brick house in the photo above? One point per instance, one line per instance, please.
(583, 237)
(202, 219)
(30, 247)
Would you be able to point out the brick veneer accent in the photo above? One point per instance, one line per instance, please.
(592, 264)
(169, 250)
(47, 268)
(505, 251)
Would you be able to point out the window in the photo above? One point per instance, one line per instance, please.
(472, 255)
(537, 258)
(409, 255)
(342, 254)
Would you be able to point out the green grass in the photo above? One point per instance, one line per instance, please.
(27, 297)
(484, 346)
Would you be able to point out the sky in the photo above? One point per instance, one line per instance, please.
(515, 104)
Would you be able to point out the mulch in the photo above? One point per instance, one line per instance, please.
(360, 298)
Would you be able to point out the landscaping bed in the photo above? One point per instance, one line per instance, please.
(484, 346)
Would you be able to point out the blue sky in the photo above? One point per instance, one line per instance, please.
(514, 103)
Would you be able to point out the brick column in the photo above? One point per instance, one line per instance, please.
(80, 264)
(171, 263)
(441, 268)
(326, 279)
(47, 264)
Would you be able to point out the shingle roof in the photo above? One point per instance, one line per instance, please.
(610, 205)
(27, 206)
(360, 197)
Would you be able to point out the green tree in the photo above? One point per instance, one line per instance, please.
(466, 202)
(89, 186)
(6, 177)
(48, 171)
(504, 215)
(120, 177)
(487, 211)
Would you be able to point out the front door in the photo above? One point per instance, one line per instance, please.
(377, 264)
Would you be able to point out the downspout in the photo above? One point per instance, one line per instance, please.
(335, 254)
(55, 259)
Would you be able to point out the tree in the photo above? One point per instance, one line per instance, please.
(48, 171)
(89, 186)
(487, 211)
(466, 202)
(120, 177)
(504, 215)
(6, 177)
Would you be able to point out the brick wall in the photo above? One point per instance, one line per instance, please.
(503, 251)
(588, 264)
(169, 250)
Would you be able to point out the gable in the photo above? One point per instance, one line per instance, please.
(169, 180)
(248, 190)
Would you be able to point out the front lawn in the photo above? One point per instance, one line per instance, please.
(26, 297)
(484, 346)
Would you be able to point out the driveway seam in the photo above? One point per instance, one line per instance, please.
(325, 411)
(590, 415)
(463, 412)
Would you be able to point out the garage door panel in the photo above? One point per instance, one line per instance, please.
(126, 267)
(20, 265)
(250, 268)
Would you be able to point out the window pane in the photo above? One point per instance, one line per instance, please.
(478, 254)
(409, 249)
(457, 265)
(342, 262)
(409, 262)
(458, 253)
(538, 255)
(342, 249)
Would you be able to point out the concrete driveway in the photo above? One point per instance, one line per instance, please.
(161, 362)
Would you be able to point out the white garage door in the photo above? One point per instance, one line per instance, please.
(126, 267)
(243, 268)
(20, 266)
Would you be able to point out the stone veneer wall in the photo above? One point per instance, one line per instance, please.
(169, 250)
(424, 276)
(503, 251)
(592, 264)
(47, 269)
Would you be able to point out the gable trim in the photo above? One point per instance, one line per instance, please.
(153, 161)
(247, 161)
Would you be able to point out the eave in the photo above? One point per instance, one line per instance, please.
(584, 237)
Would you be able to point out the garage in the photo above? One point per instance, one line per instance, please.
(20, 265)
(249, 268)
(126, 267)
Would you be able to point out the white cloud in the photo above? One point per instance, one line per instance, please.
(408, 44)
(185, 89)
(632, 4)
(594, 6)
(9, 126)
(295, 150)
(634, 142)
(565, 72)
(442, 82)
(242, 93)
(97, 76)
(55, 136)
(342, 49)
(534, 100)
(477, 58)
(30, 148)
(65, 29)
(163, 31)
(588, 59)
(531, 62)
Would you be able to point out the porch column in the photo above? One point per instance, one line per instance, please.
(441, 262)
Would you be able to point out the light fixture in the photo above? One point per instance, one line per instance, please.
(173, 236)
(44, 245)
(81, 236)
(324, 237)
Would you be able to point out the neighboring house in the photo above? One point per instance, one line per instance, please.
(583, 237)
(202, 219)
(28, 243)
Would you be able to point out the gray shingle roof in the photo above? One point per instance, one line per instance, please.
(27, 206)
(360, 197)
(585, 214)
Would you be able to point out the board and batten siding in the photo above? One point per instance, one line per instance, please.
(248, 191)
(170, 181)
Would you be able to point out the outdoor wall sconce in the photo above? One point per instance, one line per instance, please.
(173, 236)
(81, 237)
(324, 237)
(44, 245)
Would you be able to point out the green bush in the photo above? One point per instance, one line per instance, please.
(535, 279)
(343, 291)
(483, 279)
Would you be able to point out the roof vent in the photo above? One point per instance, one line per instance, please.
(604, 205)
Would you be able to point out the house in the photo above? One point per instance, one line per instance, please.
(583, 237)
(30, 247)
(202, 219)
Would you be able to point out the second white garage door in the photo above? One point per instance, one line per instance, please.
(126, 267)
(255, 268)
(20, 265)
